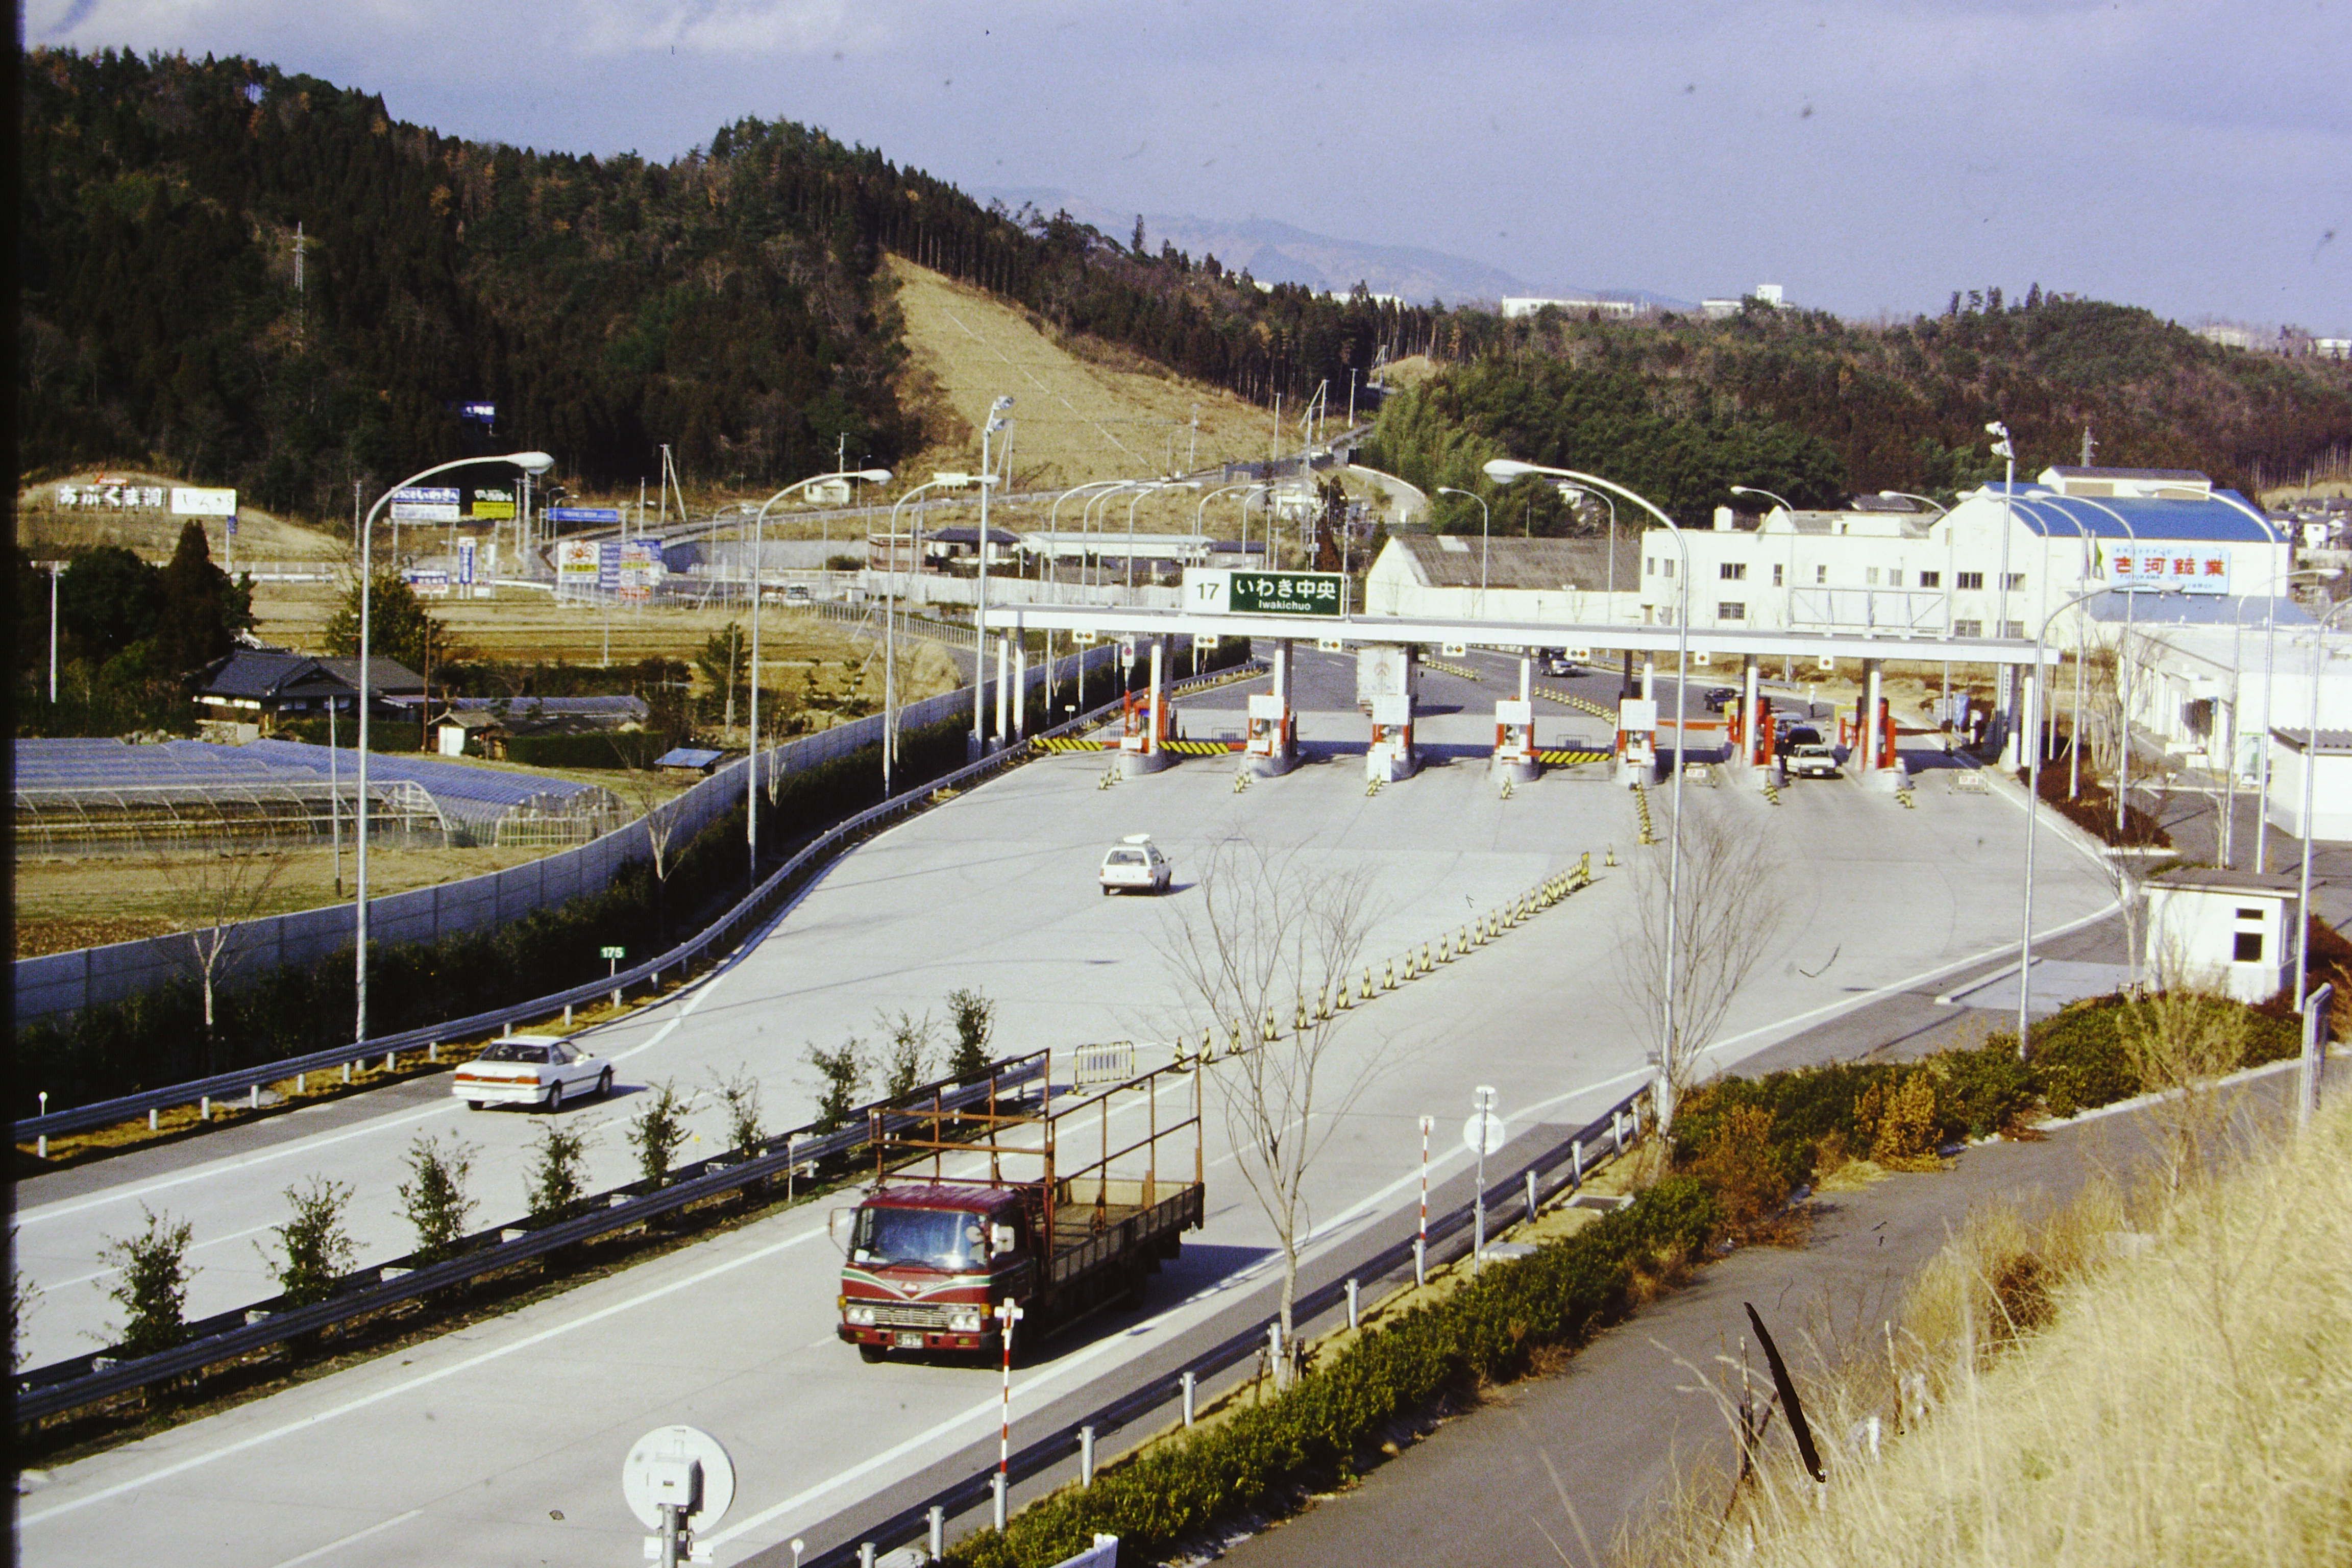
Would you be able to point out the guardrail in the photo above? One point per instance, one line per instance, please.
(1562, 1166)
(85, 1380)
(750, 911)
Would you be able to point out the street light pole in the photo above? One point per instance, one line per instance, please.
(529, 463)
(54, 568)
(890, 626)
(2032, 806)
(1483, 521)
(989, 427)
(1504, 471)
(2003, 448)
(2310, 772)
(759, 551)
(2270, 666)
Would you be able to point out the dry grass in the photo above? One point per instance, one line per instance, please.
(2163, 1377)
(46, 531)
(1085, 411)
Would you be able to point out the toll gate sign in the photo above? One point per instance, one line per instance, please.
(1245, 592)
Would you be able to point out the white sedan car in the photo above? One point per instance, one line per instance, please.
(530, 1070)
(1135, 863)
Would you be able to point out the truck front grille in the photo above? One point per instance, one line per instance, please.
(913, 1315)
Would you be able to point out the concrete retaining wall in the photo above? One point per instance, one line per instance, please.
(56, 986)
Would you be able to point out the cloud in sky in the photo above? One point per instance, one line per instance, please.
(1868, 155)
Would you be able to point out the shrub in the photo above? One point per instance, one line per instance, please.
(740, 1094)
(1899, 1116)
(1738, 1165)
(973, 1017)
(1979, 1092)
(151, 1284)
(908, 1052)
(1328, 1422)
(434, 1197)
(317, 1245)
(658, 1133)
(557, 1181)
(841, 1071)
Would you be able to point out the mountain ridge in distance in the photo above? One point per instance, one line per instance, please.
(1276, 252)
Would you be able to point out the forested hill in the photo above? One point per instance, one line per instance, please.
(1812, 407)
(727, 302)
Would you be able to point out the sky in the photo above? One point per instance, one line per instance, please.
(1869, 155)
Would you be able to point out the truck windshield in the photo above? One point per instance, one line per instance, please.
(930, 1238)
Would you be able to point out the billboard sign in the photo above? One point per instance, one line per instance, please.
(111, 495)
(187, 502)
(577, 564)
(425, 503)
(429, 585)
(467, 549)
(1218, 591)
(583, 515)
(493, 506)
(478, 413)
(641, 570)
(608, 566)
(1385, 670)
(2190, 568)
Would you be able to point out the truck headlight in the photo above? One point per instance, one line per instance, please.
(964, 1322)
(858, 1317)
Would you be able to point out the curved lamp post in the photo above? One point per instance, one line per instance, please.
(759, 549)
(534, 463)
(890, 625)
(1086, 518)
(1577, 492)
(2269, 668)
(1789, 608)
(2074, 741)
(1148, 488)
(1483, 521)
(1200, 512)
(995, 422)
(1054, 530)
(1503, 471)
(2310, 772)
(2032, 822)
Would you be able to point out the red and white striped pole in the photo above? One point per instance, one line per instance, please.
(1008, 1314)
(1421, 1243)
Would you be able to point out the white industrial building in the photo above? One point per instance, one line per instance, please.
(1894, 564)
(2231, 930)
(1441, 576)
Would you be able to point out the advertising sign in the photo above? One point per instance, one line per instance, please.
(583, 515)
(112, 496)
(577, 564)
(608, 566)
(1383, 670)
(466, 549)
(425, 503)
(1218, 591)
(641, 570)
(493, 506)
(429, 585)
(2191, 568)
(191, 502)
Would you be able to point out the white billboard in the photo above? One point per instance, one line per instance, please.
(2191, 568)
(189, 502)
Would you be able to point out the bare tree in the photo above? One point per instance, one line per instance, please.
(222, 889)
(1266, 953)
(1727, 917)
(657, 816)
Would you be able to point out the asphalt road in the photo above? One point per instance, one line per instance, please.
(501, 1443)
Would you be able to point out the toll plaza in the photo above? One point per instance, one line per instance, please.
(1647, 736)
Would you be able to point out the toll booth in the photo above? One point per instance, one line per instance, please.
(1144, 720)
(1390, 756)
(1270, 746)
(1637, 740)
(1874, 757)
(1514, 743)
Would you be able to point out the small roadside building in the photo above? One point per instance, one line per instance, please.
(2329, 774)
(2234, 931)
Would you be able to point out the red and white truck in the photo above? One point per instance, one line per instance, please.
(1058, 1202)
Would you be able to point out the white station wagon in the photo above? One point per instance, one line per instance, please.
(530, 1070)
(1135, 863)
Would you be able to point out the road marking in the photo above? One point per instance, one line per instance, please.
(555, 1331)
(196, 1247)
(227, 1167)
(317, 1552)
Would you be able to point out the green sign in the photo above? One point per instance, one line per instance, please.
(615, 952)
(1288, 594)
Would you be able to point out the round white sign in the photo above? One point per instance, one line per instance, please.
(667, 1445)
(1484, 1127)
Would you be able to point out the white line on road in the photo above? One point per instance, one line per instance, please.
(316, 1553)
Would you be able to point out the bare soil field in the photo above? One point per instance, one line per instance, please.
(48, 532)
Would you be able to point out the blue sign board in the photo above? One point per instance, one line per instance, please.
(479, 413)
(608, 566)
(583, 515)
(465, 550)
(426, 493)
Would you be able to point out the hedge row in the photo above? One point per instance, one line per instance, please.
(159, 1038)
(2077, 1060)
(1332, 1421)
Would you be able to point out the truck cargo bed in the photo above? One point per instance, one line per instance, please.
(1097, 1224)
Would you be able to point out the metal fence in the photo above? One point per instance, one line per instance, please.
(1559, 1166)
(84, 1380)
(738, 923)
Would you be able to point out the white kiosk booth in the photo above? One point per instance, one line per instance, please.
(1270, 747)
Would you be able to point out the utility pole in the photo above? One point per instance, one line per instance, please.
(54, 568)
